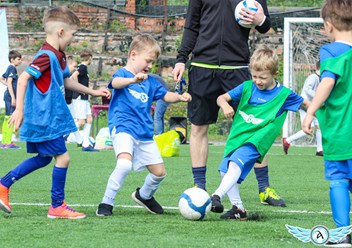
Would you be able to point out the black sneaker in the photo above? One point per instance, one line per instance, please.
(216, 205)
(104, 210)
(235, 214)
(320, 154)
(346, 242)
(151, 205)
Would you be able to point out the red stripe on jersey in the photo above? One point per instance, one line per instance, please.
(42, 64)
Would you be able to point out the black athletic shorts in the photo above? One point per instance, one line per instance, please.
(205, 85)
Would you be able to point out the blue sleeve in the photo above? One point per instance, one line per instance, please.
(325, 54)
(236, 93)
(160, 90)
(12, 72)
(293, 103)
(118, 73)
(33, 72)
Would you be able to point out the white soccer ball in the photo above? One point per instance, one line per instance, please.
(194, 204)
(246, 4)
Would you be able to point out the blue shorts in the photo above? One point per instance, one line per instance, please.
(336, 170)
(245, 157)
(8, 108)
(50, 148)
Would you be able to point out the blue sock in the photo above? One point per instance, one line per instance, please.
(262, 175)
(58, 186)
(199, 176)
(340, 202)
(24, 169)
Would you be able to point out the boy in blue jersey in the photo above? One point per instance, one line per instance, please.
(131, 125)
(262, 107)
(333, 108)
(9, 78)
(42, 113)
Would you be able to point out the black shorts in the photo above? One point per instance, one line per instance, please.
(205, 85)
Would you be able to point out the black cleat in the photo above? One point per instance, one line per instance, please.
(235, 214)
(151, 205)
(345, 242)
(104, 210)
(216, 205)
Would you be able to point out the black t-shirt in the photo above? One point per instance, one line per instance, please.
(83, 78)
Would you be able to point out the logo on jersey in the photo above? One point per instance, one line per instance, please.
(139, 96)
(250, 118)
(319, 235)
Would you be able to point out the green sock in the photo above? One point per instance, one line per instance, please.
(6, 131)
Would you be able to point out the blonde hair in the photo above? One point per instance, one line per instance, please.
(144, 42)
(338, 13)
(264, 59)
(62, 15)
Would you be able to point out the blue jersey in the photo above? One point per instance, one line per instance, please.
(129, 109)
(11, 72)
(330, 50)
(292, 103)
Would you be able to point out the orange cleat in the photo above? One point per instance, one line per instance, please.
(64, 212)
(4, 199)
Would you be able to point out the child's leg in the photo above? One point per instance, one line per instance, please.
(229, 180)
(295, 136)
(234, 195)
(152, 181)
(116, 179)
(6, 131)
(24, 169)
(318, 138)
(86, 131)
(340, 202)
(59, 179)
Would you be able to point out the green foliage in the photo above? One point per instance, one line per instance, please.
(117, 26)
(24, 24)
(297, 177)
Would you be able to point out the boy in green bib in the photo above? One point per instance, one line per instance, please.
(262, 107)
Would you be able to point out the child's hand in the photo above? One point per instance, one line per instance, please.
(16, 119)
(140, 77)
(306, 125)
(228, 111)
(102, 92)
(185, 97)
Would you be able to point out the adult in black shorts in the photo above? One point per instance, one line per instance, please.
(219, 51)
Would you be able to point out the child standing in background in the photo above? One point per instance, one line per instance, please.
(10, 78)
(81, 105)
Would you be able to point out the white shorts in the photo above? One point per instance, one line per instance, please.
(303, 114)
(81, 108)
(72, 110)
(143, 153)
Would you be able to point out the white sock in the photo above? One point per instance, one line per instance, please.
(116, 179)
(78, 136)
(234, 195)
(295, 136)
(150, 186)
(319, 140)
(229, 180)
(86, 133)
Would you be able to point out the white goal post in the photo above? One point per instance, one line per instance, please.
(302, 39)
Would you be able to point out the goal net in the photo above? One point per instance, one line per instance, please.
(302, 39)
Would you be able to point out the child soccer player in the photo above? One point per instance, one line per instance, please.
(81, 103)
(10, 79)
(332, 106)
(72, 65)
(262, 107)
(42, 113)
(309, 88)
(131, 125)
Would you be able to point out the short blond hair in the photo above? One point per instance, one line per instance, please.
(144, 42)
(264, 59)
(60, 14)
(338, 13)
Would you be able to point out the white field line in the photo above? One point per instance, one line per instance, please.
(170, 208)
